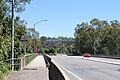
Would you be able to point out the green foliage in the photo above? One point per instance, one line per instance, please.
(1, 75)
(50, 51)
(62, 48)
(5, 33)
(4, 69)
(19, 5)
(46, 51)
(99, 37)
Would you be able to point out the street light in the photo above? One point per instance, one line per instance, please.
(34, 32)
(95, 41)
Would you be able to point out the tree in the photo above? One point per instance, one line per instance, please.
(5, 32)
(104, 36)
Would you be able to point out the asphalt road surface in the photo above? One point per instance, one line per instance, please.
(80, 69)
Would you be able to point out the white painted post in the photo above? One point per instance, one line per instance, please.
(21, 63)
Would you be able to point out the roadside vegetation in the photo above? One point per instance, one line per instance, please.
(58, 47)
(98, 37)
(20, 30)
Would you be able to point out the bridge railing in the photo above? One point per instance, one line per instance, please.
(20, 62)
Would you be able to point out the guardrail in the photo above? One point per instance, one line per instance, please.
(20, 62)
(55, 72)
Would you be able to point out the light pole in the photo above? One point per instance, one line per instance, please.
(94, 41)
(12, 35)
(34, 32)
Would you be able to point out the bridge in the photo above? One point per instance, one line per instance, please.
(69, 68)
(63, 41)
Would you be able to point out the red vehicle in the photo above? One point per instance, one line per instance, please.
(87, 55)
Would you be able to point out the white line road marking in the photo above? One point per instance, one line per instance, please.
(70, 72)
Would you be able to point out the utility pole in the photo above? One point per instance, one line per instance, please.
(12, 35)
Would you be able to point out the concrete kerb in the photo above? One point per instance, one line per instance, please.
(63, 73)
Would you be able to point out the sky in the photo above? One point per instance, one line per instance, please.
(64, 15)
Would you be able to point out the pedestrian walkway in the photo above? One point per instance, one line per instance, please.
(35, 70)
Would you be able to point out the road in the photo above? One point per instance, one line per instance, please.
(81, 69)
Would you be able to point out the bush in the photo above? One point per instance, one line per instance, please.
(46, 51)
(1, 75)
(4, 70)
(51, 51)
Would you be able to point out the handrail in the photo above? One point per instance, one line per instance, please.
(15, 58)
(20, 62)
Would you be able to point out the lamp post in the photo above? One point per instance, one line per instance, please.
(12, 35)
(95, 41)
(34, 32)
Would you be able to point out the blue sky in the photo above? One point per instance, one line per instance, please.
(63, 15)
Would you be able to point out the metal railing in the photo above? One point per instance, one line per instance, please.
(21, 62)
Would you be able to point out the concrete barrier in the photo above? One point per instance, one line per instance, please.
(55, 72)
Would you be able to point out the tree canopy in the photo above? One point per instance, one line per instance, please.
(20, 30)
(98, 37)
